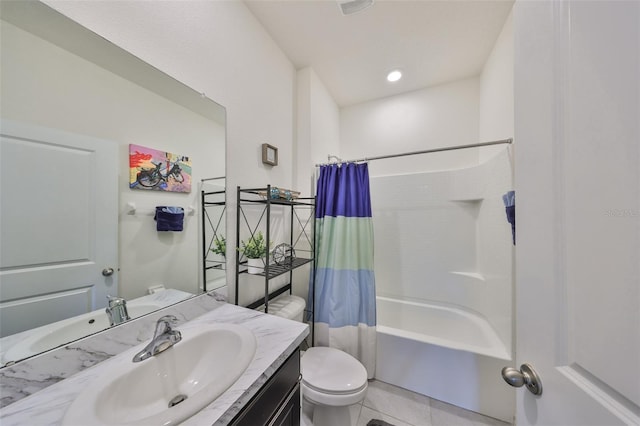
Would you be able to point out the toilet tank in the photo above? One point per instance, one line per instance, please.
(287, 306)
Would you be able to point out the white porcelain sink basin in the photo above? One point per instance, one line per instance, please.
(192, 373)
(65, 331)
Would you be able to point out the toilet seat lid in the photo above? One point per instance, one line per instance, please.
(330, 370)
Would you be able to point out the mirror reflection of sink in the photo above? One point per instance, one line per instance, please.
(65, 331)
(169, 387)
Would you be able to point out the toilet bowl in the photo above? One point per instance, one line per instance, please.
(332, 380)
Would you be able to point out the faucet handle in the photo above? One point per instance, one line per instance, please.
(164, 323)
(168, 319)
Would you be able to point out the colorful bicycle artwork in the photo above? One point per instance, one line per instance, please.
(150, 169)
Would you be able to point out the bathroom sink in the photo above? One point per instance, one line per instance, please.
(169, 387)
(65, 331)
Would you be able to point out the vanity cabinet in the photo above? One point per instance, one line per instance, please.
(257, 208)
(278, 402)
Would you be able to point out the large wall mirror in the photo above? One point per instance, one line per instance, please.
(73, 229)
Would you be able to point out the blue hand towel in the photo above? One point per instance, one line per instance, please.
(169, 218)
(509, 200)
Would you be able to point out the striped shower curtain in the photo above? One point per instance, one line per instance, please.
(345, 298)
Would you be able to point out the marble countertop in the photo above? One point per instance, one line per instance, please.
(159, 299)
(277, 338)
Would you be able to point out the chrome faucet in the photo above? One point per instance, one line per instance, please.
(163, 338)
(117, 310)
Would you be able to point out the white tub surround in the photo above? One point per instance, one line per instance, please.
(446, 353)
(444, 237)
(277, 339)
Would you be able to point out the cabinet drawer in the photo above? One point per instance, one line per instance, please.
(275, 393)
(289, 412)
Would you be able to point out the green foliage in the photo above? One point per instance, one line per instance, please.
(255, 248)
(220, 246)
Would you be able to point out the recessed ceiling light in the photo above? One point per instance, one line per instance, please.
(394, 75)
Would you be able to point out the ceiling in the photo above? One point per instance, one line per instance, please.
(432, 42)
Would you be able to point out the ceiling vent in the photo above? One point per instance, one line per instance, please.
(349, 7)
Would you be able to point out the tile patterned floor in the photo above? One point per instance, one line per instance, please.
(401, 407)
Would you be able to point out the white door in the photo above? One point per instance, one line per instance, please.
(577, 147)
(58, 223)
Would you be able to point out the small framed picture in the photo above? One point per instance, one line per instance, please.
(269, 154)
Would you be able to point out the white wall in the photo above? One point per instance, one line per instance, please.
(318, 127)
(219, 48)
(434, 117)
(318, 134)
(45, 85)
(496, 92)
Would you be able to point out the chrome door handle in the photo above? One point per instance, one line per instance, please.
(107, 272)
(526, 376)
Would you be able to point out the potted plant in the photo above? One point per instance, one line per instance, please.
(220, 246)
(255, 249)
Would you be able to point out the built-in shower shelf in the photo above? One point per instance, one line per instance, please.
(474, 275)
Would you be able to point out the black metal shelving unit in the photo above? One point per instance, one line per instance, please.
(213, 209)
(302, 233)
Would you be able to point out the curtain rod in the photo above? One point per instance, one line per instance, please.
(427, 151)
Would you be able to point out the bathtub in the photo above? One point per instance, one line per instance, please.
(446, 353)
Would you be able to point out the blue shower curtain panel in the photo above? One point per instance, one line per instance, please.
(345, 308)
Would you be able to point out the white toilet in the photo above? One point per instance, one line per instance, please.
(332, 380)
